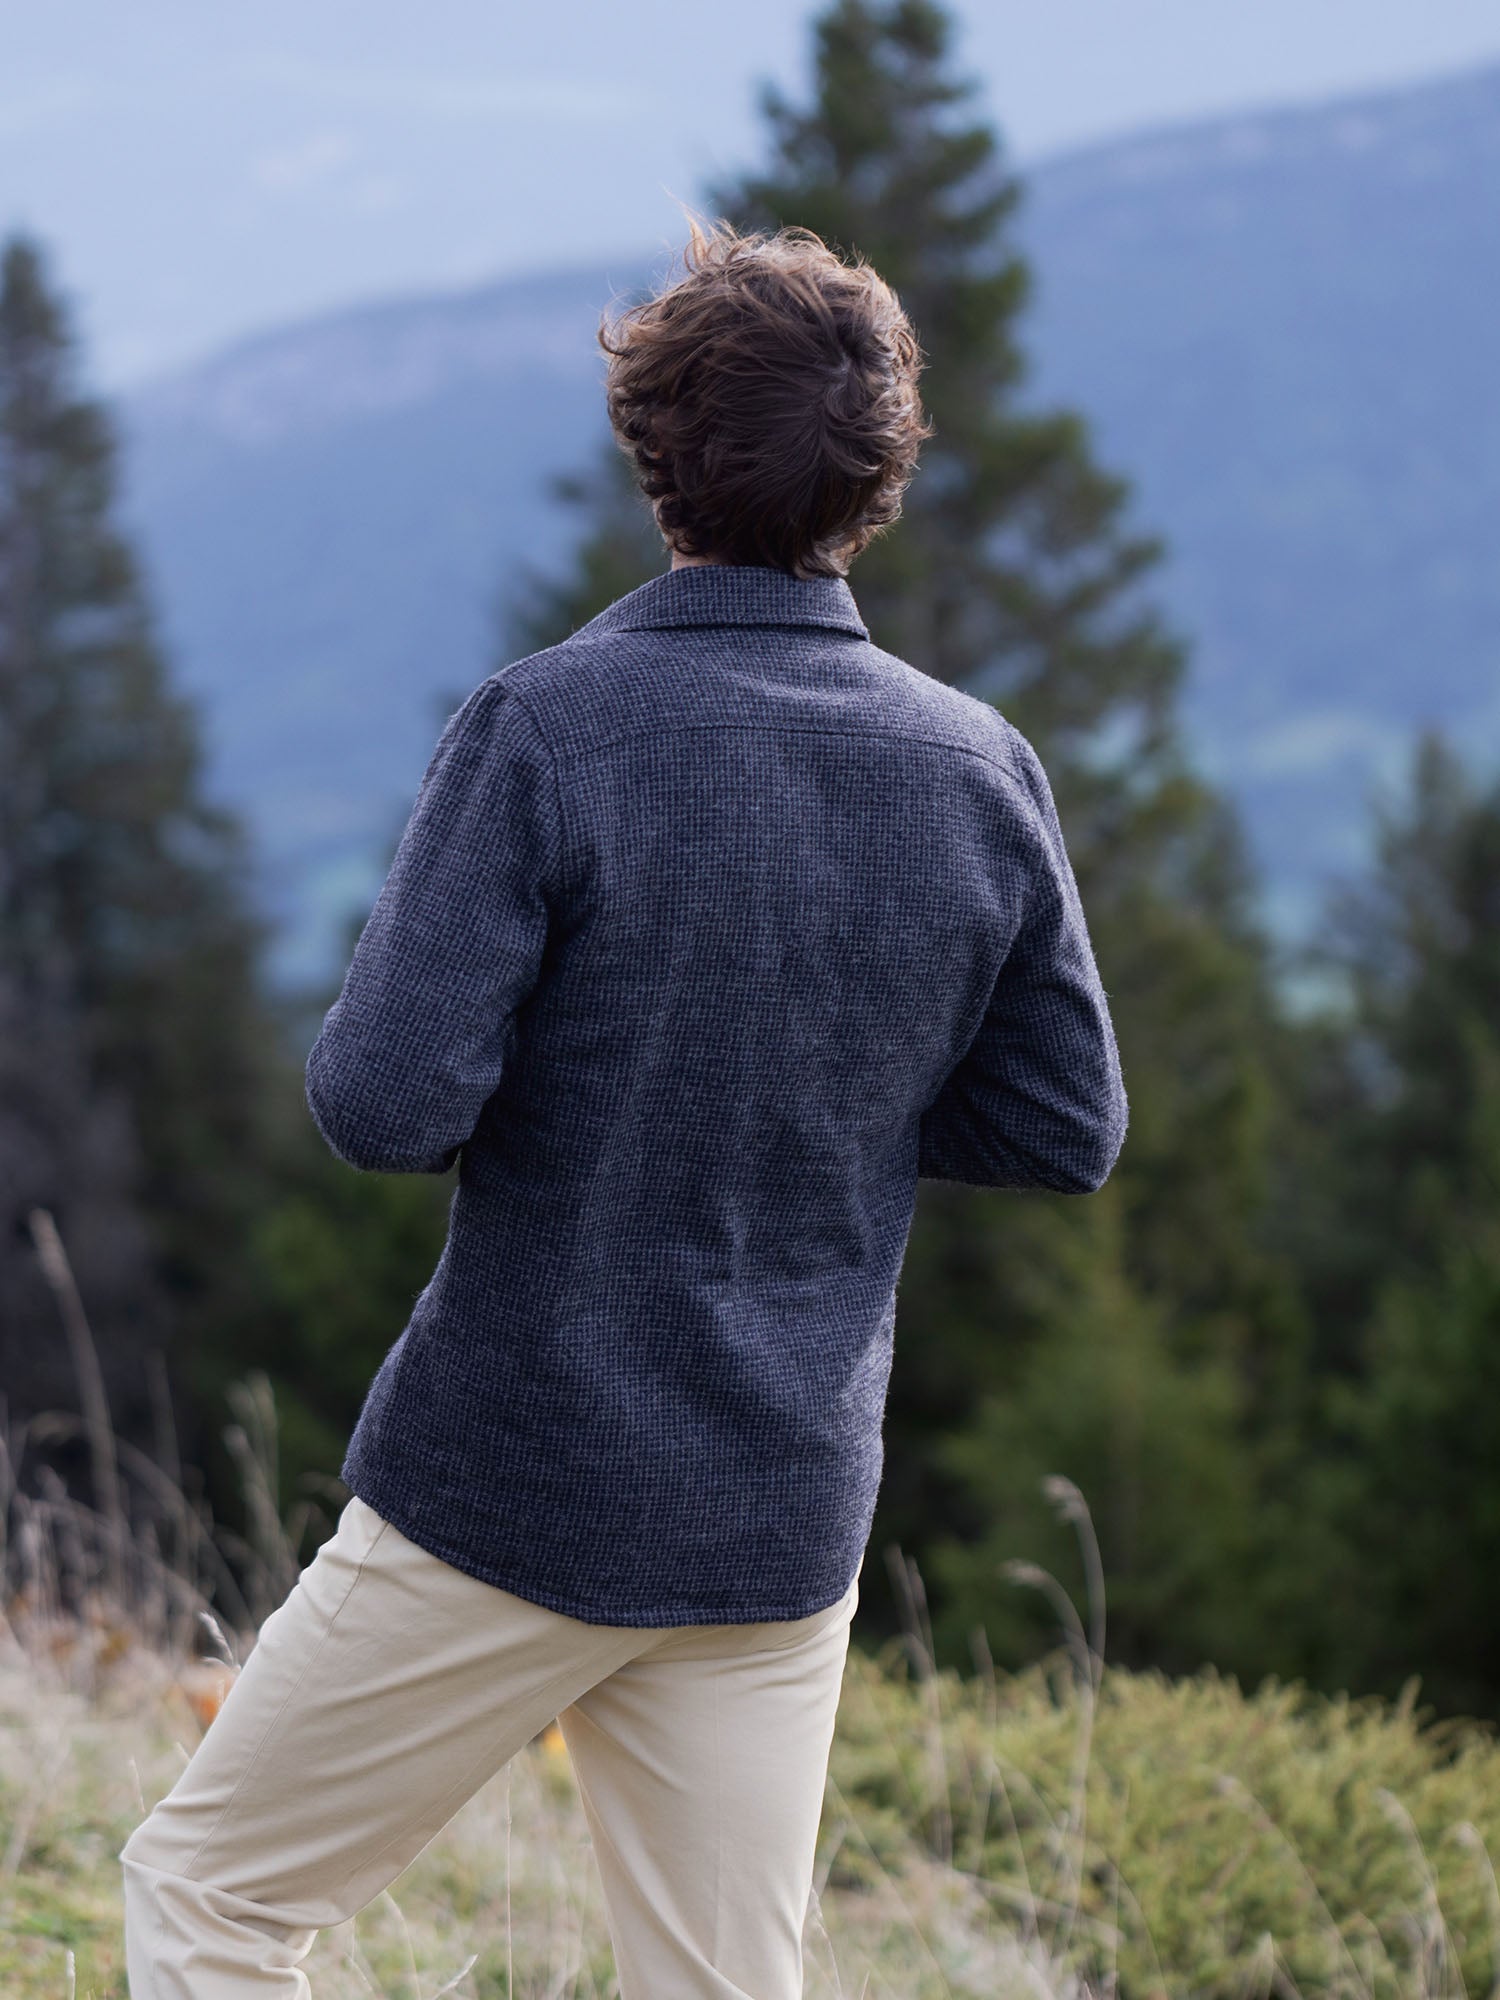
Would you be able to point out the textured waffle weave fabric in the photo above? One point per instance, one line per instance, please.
(713, 929)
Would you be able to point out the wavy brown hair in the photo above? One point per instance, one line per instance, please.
(768, 400)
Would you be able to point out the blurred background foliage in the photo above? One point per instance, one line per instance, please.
(1268, 1351)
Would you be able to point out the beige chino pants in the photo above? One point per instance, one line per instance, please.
(389, 1686)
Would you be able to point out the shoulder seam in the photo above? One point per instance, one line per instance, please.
(655, 730)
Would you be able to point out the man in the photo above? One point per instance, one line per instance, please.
(714, 928)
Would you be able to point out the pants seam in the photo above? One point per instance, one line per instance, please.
(719, 1824)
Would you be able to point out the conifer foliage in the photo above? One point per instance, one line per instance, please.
(131, 1043)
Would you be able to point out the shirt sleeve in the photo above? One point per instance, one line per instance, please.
(416, 1042)
(1038, 1099)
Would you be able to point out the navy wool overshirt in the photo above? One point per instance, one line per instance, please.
(714, 928)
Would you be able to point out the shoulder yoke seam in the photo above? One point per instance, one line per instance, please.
(718, 728)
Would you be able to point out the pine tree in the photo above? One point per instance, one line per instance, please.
(127, 936)
(1396, 1230)
(1014, 574)
(1418, 942)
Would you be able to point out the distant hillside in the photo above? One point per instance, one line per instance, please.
(328, 514)
(1282, 327)
(1279, 326)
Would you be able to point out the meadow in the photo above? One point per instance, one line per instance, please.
(1070, 1829)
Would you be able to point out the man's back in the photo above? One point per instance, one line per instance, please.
(715, 927)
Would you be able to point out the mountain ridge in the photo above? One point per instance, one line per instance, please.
(1275, 324)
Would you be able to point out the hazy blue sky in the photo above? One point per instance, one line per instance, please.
(202, 171)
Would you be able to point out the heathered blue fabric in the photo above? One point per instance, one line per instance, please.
(713, 928)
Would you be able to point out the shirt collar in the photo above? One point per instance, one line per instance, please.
(733, 594)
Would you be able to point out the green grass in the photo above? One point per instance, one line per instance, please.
(1073, 1829)
(1070, 1831)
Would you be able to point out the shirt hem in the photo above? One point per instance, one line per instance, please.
(656, 1617)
